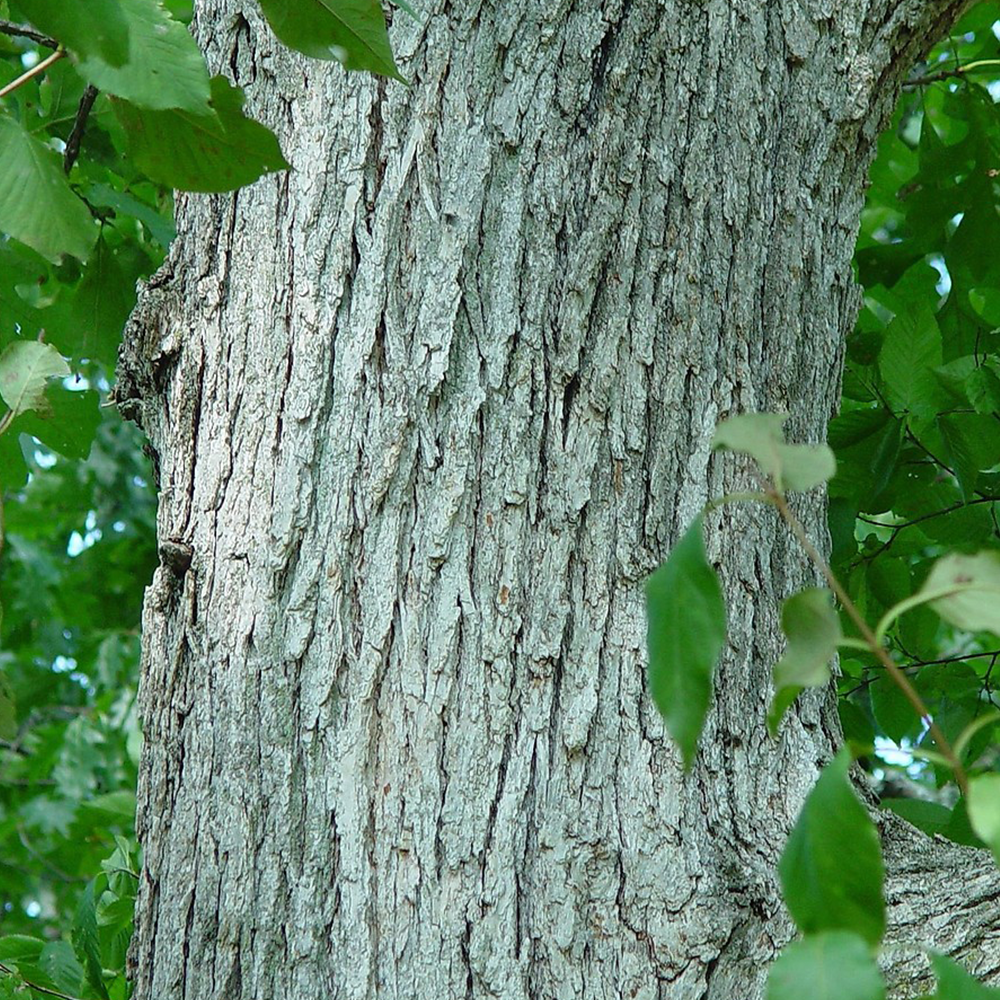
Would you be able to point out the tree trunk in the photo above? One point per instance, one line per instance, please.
(428, 410)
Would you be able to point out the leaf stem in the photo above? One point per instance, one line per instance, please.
(947, 74)
(901, 680)
(848, 642)
(39, 67)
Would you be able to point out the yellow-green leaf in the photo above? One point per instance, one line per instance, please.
(37, 205)
(975, 603)
(791, 466)
(813, 631)
(25, 367)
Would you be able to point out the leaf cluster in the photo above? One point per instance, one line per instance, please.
(917, 440)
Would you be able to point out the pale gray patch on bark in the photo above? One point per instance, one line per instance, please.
(428, 409)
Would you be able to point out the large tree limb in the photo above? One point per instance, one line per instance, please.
(941, 896)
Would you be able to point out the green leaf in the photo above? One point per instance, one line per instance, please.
(213, 153)
(113, 807)
(894, 713)
(867, 444)
(37, 205)
(102, 303)
(983, 389)
(813, 631)
(686, 627)
(791, 466)
(8, 707)
(69, 424)
(20, 268)
(831, 869)
(984, 810)
(976, 606)
(20, 946)
(836, 965)
(85, 940)
(12, 988)
(59, 963)
(351, 31)
(161, 226)
(910, 352)
(165, 68)
(954, 983)
(959, 829)
(931, 817)
(959, 454)
(13, 468)
(25, 367)
(97, 28)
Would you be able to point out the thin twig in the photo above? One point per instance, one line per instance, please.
(72, 150)
(947, 74)
(40, 67)
(24, 31)
(927, 517)
(900, 678)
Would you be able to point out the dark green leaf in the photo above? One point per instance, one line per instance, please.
(13, 468)
(111, 807)
(351, 31)
(959, 454)
(910, 352)
(70, 423)
(983, 389)
(894, 713)
(8, 708)
(831, 869)
(931, 817)
(219, 152)
(161, 226)
(103, 301)
(686, 627)
(59, 964)
(85, 940)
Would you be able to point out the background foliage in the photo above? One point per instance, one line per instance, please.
(918, 436)
(89, 148)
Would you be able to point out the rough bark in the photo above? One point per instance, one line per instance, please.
(428, 409)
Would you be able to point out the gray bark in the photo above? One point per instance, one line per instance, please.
(428, 410)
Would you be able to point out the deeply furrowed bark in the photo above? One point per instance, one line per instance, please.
(428, 410)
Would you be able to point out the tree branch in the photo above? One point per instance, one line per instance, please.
(72, 150)
(940, 895)
(24, 31)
